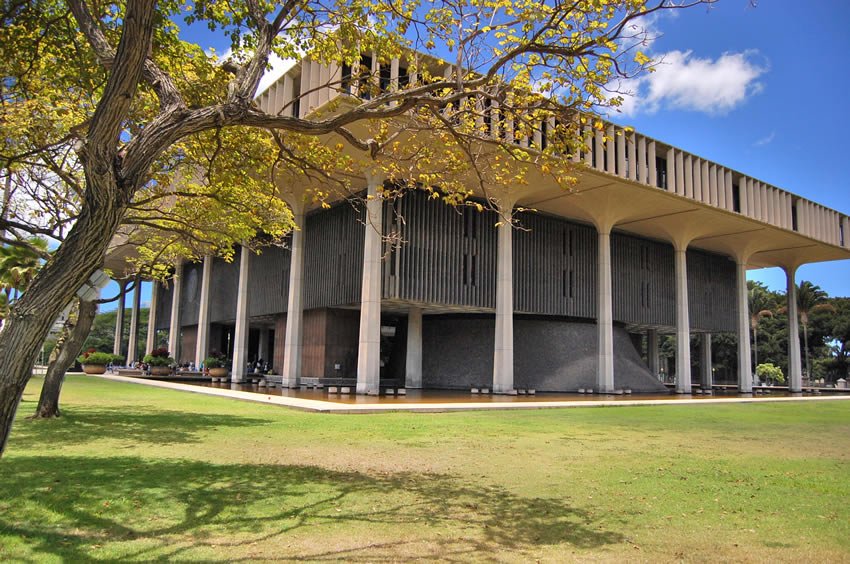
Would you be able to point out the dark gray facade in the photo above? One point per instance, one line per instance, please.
(444, 259)
(551, 355)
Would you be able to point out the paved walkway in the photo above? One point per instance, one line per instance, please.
(336, 407)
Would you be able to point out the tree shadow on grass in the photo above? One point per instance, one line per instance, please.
(78, 508)
(137, 424)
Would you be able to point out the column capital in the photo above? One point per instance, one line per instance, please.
(375, 177)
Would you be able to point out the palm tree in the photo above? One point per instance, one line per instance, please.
(18, 266)
(761, 304)
(810, 298)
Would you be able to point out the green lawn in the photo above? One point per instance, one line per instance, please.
(137, 473)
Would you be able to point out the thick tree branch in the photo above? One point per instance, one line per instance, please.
(161, 83)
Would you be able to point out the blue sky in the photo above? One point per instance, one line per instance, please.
(761, 90)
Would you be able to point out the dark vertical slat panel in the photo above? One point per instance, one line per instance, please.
(191, 294)
(711, 288)
(223, 291)
(163, 305)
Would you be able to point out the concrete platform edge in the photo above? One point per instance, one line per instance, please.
(343, 408)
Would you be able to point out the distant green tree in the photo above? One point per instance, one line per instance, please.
(19, 264)
(102, 335)
(762, 303)
(840, 335)
(810, 299)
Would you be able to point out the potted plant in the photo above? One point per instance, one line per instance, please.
(217, 365)
(160, 362)
(95, 362)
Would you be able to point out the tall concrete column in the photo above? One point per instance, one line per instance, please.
(240, 337)
(118, 342)
(133, 340)
(604, 314)
(174, 327)
(503, 350)
(706, 374)
(151, 340)
(683, 323)
(292, 345)
(202, 343)
(795, 366)
(369, 347)
(413, 364)
(652, 352)
(745, 369)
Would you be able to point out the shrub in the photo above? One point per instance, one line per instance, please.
(769, 372)
(159, 357)
(95, 357)
(216, 360)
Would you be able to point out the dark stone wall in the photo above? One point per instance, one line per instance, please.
(549, 355)
(188, 343)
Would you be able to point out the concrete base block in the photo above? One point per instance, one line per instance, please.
(474, 391)
(333, 390)
(401, 392)
(511, 392)
(485, 390)
(531, 392)
(345, 390)
(627, 391)
(581, 390)
(521, 392)
(618, 392)
(389, 392)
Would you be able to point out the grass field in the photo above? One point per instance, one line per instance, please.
(137, 473)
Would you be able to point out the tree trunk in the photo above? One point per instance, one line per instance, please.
(756, 347)
(55, 285)
(806, 347)
(109, 189)
(48, 402)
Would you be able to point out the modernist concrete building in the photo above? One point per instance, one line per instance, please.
(652, 240)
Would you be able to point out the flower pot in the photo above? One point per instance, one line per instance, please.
(220, 372)
(160, 370)
(94, 368)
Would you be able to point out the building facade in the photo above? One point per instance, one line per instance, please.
(652, 240)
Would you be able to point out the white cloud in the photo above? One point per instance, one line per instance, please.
(765, 140)
(687, 82)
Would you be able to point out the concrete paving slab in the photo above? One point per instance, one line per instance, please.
(336, 407)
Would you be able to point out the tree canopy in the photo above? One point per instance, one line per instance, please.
(104, 105)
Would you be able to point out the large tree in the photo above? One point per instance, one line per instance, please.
(132, 91)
